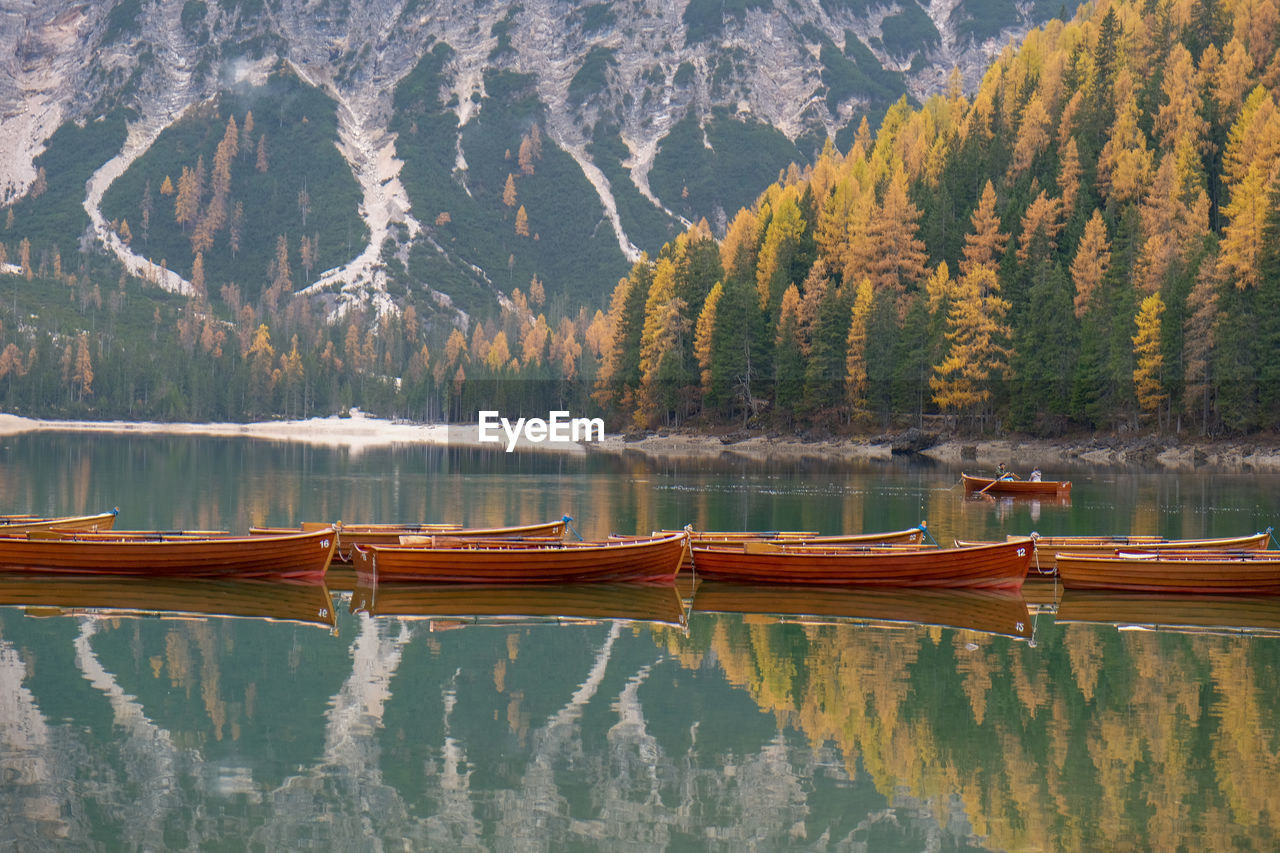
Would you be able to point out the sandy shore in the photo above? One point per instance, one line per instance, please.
(359, 432)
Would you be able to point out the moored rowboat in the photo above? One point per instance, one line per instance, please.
(303, 556)
(1002, 565)
(698, 539)
(644, 559)
(351, 536)
(990, 485)
(1240, 572)
(25, 524)
(910, 536)
(1048, 547)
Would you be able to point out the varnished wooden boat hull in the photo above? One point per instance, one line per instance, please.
(99, 521)
(1047, 548)
(1172, 611)
(352, 536)
(1003, 565)
(303, 556)
(1051, 488)
(492, 602)
(639, 560)
(992, 611)
(1237, 572)
(113, 596)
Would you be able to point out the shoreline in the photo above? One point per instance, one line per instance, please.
(359, 432)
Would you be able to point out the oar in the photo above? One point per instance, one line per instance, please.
(1004, 476)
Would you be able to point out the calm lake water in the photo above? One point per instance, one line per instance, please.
(149, 717)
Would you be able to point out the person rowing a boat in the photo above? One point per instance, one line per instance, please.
(1003, 473)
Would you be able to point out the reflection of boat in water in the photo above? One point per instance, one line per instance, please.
(111, 596)
(986, 610)
(1172, 612)
(1004, 503)
(1041, 592)
(477, 603)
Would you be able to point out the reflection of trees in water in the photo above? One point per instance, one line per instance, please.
(1091, 737)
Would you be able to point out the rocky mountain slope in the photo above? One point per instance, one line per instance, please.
(614, 84)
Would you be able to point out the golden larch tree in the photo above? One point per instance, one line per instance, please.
(855, 374)
(1243, 235)
(1180, 117)
(898, 255)
(186, 205)
(661, 337)
(783, 234)
(1043, 218)
(740, 243)
(1032, 138)
(455, 354)
(1148, 380)
(565, 349)
(1069, 176)
(978, 352)
(198, 290)
(984, 245)
(704, 334)
(536, 341)
(1125, 161)
(82, 370)
(1089, 267)
(499, 354)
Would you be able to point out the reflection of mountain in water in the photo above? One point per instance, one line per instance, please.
(742, 732)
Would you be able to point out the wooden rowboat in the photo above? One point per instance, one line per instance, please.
(24, 524)
(1029, 488)
(990, 611)
(109, 596)
(351, 536)
(302, 556)
(1047, 548)
(467, 604)
(698, 539)
(1002, 565)
(910, 536)
(1188, 614)
(1228, 572)
(643, 559)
